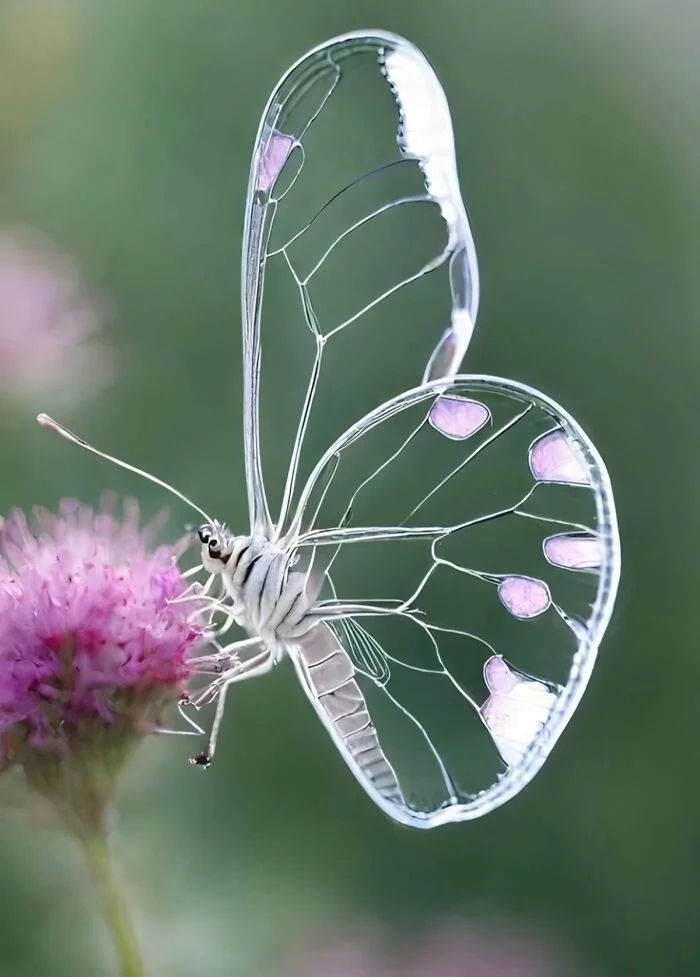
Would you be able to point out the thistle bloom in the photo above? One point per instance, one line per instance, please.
(92, 649)
(49, 321)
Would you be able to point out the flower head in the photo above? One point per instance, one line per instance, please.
(92, 647)
(48, 321)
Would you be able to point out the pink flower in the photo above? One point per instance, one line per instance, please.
(48, 321)
(91, 647)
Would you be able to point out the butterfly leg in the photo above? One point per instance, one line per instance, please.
(233, 612)
(193, 571)
(195, 590)
(258, 665)
(224, 660)
(194, 730)
(233, 615)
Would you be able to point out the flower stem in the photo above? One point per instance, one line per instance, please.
(114, 906)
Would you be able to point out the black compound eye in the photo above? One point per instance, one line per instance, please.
(204, 533)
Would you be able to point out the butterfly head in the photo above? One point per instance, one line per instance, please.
(216, 546)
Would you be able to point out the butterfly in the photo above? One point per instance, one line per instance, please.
(442, 575)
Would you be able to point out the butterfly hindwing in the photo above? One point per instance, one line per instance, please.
(470, 535)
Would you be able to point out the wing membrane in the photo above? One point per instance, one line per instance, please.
(354, 160)
(469, 530)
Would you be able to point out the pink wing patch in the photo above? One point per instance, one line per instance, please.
(573, 551)
(553, 458)
(516, 709)
(457, 417)
(274, 155)
(524, 597)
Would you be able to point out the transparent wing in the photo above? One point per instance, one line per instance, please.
(353, 199)
(472, 559)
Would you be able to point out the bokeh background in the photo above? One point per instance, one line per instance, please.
(125, 134)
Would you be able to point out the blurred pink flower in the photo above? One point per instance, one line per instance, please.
(92, 649)
(49, 321)
(455, 949)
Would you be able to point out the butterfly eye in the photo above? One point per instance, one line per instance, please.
(208, 538)
(214, 546)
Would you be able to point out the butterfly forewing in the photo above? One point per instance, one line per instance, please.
(354, 217)
(468, 536)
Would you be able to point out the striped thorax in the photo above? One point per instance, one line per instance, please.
(269, 599)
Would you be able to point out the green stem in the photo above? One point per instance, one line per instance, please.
(114, 907)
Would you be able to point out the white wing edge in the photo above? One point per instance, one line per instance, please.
(517, 777)
(442, 182)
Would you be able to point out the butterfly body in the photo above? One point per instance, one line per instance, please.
(267, 597)
(279, 607)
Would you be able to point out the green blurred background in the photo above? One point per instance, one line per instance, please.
(125, 135)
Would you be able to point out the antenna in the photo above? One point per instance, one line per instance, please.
(48, 422)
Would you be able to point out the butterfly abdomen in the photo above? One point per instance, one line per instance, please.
(330, 679)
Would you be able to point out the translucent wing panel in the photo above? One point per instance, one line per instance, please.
(469, 584)
(355, 218)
